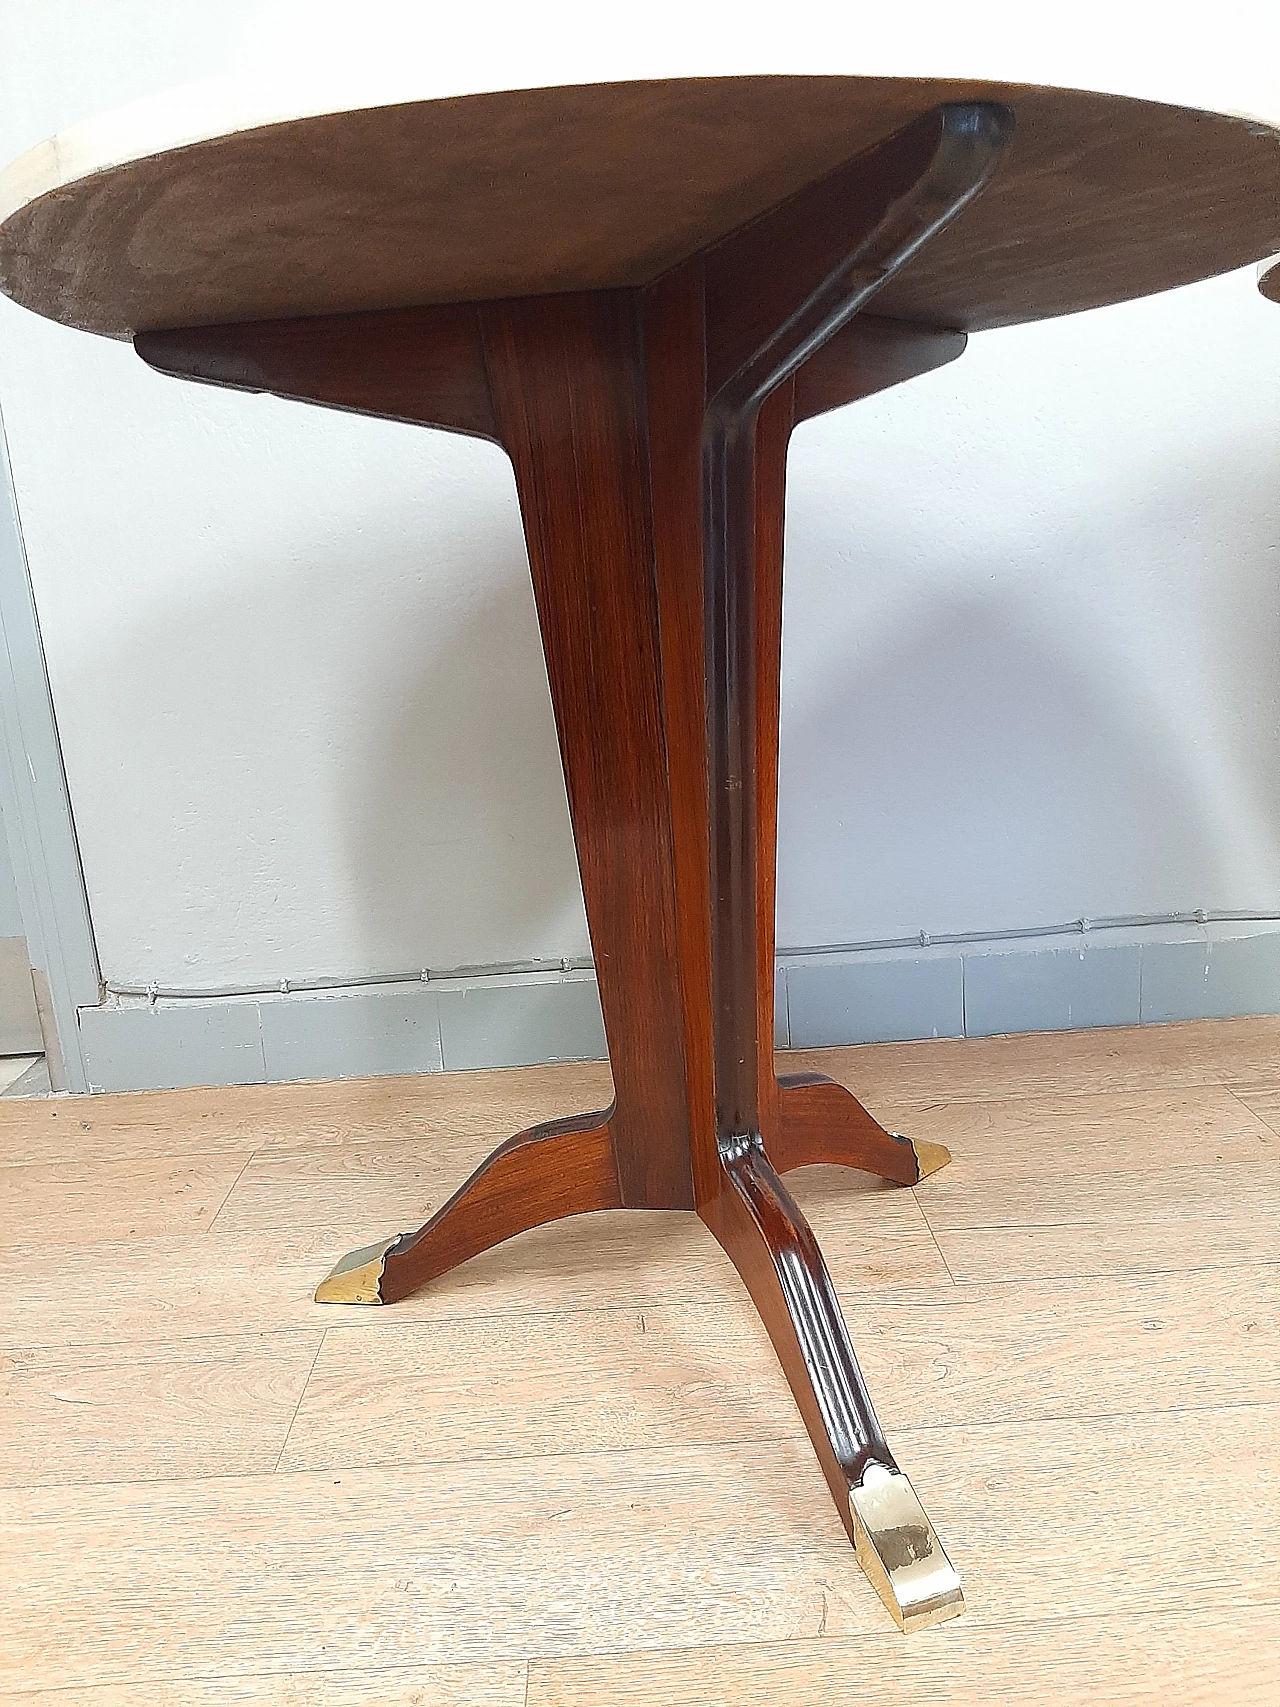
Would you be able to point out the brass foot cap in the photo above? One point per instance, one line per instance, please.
(357, 1278)
(900, 1553)
(929, 1157)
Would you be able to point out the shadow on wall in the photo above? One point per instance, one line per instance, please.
(459, 815)
(1003, 754)
(343, 760)
(973, 765)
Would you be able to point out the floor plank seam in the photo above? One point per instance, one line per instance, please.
(1110, 1274)
(324, 1334)
(900, 1105)
(1196, 1218)
(425, 1465)
(338, 1669)
(55, 1349)
(435, 1466)
(890, 1297)
(86, 1163)
(897, 1297)
(1213, 1407)
(915, 1195)
(874, 1633)
(1249, 1108)
(213, 1219)
(115, 1352)
(900, 1296)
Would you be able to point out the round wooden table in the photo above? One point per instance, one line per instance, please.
(639, 290)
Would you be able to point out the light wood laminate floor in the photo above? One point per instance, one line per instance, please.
(570, 1474)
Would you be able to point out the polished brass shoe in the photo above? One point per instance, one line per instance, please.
(357, 1278)
(929, 1157)
(897, 1548)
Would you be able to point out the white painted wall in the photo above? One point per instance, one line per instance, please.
(1032, 629)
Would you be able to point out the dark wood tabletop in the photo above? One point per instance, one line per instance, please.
(125, 226)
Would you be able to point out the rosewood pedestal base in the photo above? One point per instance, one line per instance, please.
(648, 430)
(567, 1167)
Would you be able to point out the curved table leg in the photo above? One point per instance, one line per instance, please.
(563, 1167)
(774, 1251)
(774, 297)
(820, 1121)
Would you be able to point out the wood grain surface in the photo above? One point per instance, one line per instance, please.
(588, 1380)
(286, 1116)
(120, 227)
(122, 1290)
(208, 1405)
(562, 1168)
(221, 1493)
(1041, 1063)
(625, 1552)
(425, 366)
(413, 1685)
(1185, 1658)
(568, 394)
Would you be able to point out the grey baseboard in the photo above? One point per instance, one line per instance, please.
(1103, 978)
(510, 1020)
(1149, 975)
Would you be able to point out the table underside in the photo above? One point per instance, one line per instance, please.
(202, 213)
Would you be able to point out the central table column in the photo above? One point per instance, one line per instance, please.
(568, 383)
